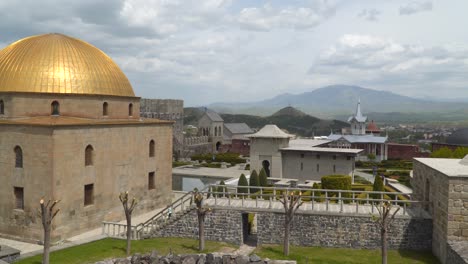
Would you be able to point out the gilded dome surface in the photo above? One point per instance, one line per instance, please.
(55, 63)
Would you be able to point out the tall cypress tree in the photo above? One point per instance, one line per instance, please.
(254, 182)
(263, 178)
(242, 185)
(377, 187)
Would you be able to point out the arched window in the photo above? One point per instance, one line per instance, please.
(151, 148)
(2, 107)
(89, 155)
(18, 157)
(130, 110)
(55, 108)
(105, 107)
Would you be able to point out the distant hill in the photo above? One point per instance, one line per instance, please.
(288, 118)
(289, 111)
(336, 100)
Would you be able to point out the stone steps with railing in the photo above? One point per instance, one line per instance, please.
(267, 199)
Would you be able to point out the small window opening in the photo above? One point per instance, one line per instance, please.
(89, 155)
(105, 107)
(151, 184)
(55, 108)
(151, 148)
(19, 198)
(88, 194)
(18, 157)
(2, 107)
(130, 110)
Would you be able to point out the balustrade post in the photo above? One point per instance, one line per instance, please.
(341, 201)
(261, 193)
(367, 198)
(357, 207)
(229, 200)
(326, 200)
(274, 192)
(270, 205)
(103, 228)
(313, 199)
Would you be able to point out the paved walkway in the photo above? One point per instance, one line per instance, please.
(30, 249)
(365, 175)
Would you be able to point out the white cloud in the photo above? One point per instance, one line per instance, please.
(370, 14)
(415, 7)
(384, 62)
(267, 17)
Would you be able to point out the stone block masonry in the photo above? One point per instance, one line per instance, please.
(344, 231)
(220, 225)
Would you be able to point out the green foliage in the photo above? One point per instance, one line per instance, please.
(242, 184)
(314, 255)
(337, 182)
(394, 164)
(115, 248)
(263, 178)
(377, 187)
(254, 182)
(232, 158)
(445, 152)
(180, 163)
(317, 193)
(371, 156)
(247, 167)
(222, 190)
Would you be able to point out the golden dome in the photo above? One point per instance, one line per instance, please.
(55, 63)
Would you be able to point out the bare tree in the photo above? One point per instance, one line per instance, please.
(201, 213)
(47, 215)
(383, 221)
(128, 215)
(291, 202)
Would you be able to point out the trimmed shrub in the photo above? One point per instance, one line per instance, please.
(316, 193)
(242, 185)
(222, 189)
(254, 182)
(263, 178)
(337, 182)
(247, 167)
(377, 187)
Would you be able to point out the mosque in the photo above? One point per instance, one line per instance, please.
(70, 129)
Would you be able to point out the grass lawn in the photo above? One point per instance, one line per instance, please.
(107, 248)
(317, 255)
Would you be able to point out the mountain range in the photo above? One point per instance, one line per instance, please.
(338, 101)
(288, 118)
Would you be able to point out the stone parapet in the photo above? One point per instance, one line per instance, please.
(457, 252)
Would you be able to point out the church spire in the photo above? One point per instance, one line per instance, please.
(358, 109)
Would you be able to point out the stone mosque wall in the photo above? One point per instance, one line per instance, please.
(167, 109)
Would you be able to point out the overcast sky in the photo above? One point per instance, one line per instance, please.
(205, 51)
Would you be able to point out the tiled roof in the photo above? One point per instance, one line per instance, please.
(214, 116)
(238, 128)
(270, 131)
(359, 138)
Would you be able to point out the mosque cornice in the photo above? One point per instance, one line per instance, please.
(13, 93)
(51, 121)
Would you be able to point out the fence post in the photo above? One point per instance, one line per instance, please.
(103, 228)
(313, 199)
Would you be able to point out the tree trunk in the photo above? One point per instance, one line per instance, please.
(201, 232)
(287, 224)
(384, 245)
(45, 256)
(129, 231)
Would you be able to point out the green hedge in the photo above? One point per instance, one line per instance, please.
(232, 158)
(337, 182)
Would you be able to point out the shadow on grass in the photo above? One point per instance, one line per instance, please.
(123, 249)
(192, 247)
(423, 255)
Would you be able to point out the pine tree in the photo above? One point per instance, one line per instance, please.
(263, 178)
(242, 185)
(254, 183)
